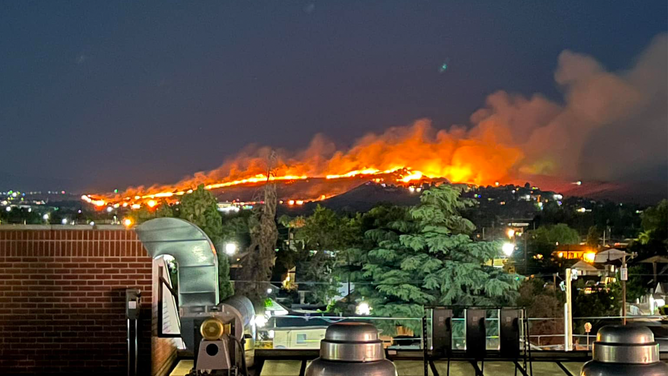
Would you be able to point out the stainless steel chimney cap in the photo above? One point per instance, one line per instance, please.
(625, 344)
(625, 334)
(351, 349)
(352, 342)
(352, 331)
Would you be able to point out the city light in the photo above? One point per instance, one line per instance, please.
(64, 221)
(151, 203)
(363, 309)
(231, 248)
(508, 248)
(127, 222)
(590, 256)
(8, 209)
(260, 321)
(45, 217)
(269, 291)
(510, 233)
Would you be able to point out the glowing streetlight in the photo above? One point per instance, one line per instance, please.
(269, 291)
(45, 217)
(508, 248)
(260, 321)
(510, 232)
(230, 248)
(151, 203)
(363, 309)
(64, 221)
(127, 222)
(590, 256)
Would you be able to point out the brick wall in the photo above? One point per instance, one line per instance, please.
(62, 301)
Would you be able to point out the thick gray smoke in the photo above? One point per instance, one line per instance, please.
(611, 125)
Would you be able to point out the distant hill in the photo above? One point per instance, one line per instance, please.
(639, 192)
(360, 199)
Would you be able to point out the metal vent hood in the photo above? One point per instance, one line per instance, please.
(194, 253)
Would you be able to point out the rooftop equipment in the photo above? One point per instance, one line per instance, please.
(622, 350)
(220, 335)
(351, 348)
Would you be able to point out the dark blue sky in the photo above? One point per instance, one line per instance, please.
(105, 94)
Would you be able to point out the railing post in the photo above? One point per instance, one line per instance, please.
(568, 314)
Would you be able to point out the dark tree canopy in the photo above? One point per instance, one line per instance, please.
(424, 255)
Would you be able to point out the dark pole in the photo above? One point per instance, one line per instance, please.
(526, 262)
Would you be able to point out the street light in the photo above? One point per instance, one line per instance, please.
(260, 321)
(230, 248)
(510, 233)
(363, 309)
(508, 248)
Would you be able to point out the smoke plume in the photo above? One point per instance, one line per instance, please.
(609, 126)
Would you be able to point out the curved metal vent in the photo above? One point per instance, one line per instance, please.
(193, 251)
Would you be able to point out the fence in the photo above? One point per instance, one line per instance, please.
(305, 331)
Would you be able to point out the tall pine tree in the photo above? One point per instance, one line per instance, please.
(424, 255)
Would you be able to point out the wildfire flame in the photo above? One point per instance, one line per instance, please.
(409, 154)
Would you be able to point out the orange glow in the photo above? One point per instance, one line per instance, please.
(401, 155)
(417, 175)
(127, 222)
(589, 256)
(151, 203)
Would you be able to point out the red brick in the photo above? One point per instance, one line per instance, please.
(69, 291)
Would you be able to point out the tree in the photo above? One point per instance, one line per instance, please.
(545, 240)
(424, 255)
(325, 236)
(145, 213)
(604, 302)
(543, 300)
(655, 224)
(593, 236)
(261, 253)
(200, 208)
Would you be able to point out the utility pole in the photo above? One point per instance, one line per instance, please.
(624, 275)
(568, 314)
(526, 263)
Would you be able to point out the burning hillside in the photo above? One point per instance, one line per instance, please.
(511, 139)
(402, 155)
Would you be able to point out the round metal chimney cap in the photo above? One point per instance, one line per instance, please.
(625, 344)
(352, 332)
(352, 342)
(623, 334)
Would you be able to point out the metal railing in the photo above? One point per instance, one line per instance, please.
(412, 339)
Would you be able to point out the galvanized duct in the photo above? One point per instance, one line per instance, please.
(194, 253)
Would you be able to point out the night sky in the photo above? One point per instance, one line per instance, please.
(107, 94)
